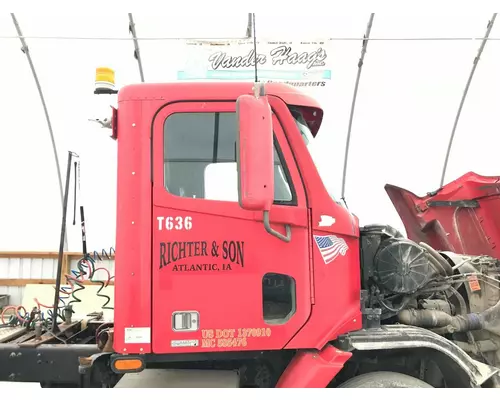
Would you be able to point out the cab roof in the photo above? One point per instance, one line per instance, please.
(189, 91)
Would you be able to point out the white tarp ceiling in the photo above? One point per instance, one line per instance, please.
(407, 101)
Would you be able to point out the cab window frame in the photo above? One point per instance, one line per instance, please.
(277, 148)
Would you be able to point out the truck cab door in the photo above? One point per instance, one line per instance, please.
(220, 281)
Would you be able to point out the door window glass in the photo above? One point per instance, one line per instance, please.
(200, 158)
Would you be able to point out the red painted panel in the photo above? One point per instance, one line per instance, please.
(461, 217)
(133, 232)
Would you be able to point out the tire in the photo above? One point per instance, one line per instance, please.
(384, 379)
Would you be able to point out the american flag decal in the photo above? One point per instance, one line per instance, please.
(330, 247)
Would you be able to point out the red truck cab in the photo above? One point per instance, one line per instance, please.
(196, 272)
(229, 247)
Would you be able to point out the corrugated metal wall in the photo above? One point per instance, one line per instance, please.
(39, 268)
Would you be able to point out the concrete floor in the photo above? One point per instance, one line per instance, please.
(20, 385)
(157, 378)
(153, 378)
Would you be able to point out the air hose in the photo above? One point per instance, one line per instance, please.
(86, 270)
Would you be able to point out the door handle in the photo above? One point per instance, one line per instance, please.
(270, 230)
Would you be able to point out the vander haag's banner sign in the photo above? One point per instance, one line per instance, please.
(298, 63)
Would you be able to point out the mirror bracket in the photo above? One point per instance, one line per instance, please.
(271, 231)
(259, 90)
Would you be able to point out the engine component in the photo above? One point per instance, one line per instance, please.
(396, 265)
(491, 319)
(487, 320)
(439, 319)
(484, 346)
(401, 266)
(438, 305)
(390, 261)
(439, 259)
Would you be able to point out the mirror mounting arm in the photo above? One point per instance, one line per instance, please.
(259, 90)
(271, 231)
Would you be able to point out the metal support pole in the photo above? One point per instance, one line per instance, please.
(360, 66)
(55, 327)
(137, 53)
(476, 61)
(25, 50)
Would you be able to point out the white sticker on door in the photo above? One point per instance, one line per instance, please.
(184, 343)
(326, 220)
(137, 335)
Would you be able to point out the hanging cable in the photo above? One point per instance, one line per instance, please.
(82, 214)
(466, 90)
(137, 53)
(356, 86)
(26, 51)
(74, 196)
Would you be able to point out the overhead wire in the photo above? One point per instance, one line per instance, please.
(159, 38)
(137, 53)
(109, 38)
(26, 51)
(462, 101)
(351, 117)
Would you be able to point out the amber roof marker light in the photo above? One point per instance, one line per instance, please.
(105, 81)
(105, 85)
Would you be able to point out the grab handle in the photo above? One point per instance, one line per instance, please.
(270, 230)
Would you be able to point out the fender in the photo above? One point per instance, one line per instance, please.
(391, 337)
(313, 368)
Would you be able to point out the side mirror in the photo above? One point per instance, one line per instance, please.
(254, 153)
(255, 157)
